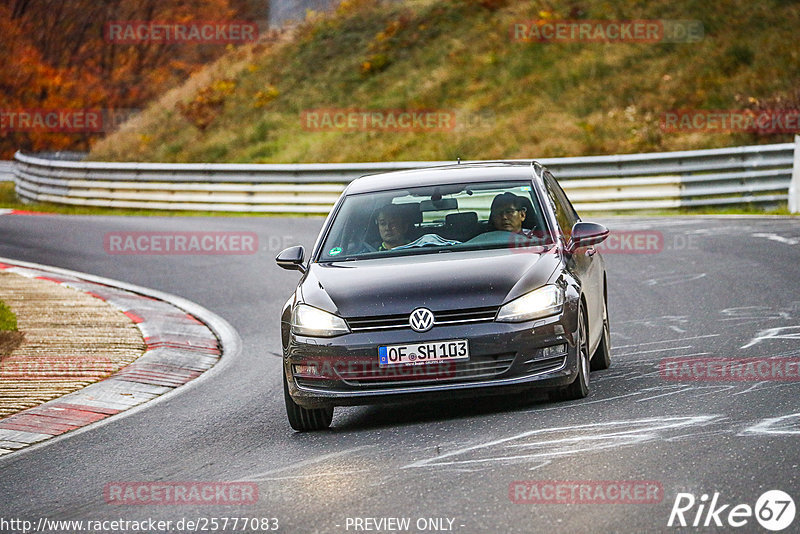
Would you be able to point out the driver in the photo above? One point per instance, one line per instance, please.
(507, 213)
(394, 226)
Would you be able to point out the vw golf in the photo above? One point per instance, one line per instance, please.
(467, 279)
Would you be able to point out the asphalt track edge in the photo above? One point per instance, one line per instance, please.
(229, 340)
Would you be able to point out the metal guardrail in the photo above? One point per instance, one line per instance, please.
(6, 171)
(747, 174)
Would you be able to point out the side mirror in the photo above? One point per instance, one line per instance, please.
(585, 234)
(292, 259)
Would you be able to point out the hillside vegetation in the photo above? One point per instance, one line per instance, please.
(519, 99)
(56, 56)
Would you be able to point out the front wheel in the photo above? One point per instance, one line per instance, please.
(579, 387)
(305, 419)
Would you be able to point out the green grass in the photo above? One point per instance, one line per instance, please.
(8, 321)
(9, 200)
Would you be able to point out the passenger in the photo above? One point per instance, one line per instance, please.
(394, 226)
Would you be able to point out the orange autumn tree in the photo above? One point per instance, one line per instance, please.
(56, 55)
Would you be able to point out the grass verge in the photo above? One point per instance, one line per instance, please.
(9, 200)
(10, 338)
(8, 321)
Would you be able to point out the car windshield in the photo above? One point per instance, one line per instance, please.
(433, 219)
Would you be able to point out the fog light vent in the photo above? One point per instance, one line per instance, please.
(554, 350)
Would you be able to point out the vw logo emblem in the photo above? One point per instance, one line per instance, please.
(421, 320)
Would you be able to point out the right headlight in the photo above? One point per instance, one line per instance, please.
(547, 300)
(310, 321)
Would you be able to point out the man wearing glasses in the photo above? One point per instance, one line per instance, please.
(508, 213)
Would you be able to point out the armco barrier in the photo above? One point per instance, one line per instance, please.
(6, 171)
(747, 174)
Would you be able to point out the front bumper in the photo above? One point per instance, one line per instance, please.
(504, 358)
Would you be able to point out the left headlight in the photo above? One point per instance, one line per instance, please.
(546, 300)
(310, 321)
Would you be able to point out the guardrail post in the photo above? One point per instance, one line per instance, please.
(794, 187)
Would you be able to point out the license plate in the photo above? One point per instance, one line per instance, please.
(423, 353)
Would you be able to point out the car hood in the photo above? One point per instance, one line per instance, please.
(447, 281)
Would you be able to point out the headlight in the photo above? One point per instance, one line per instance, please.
(541, 302)
(309, 321)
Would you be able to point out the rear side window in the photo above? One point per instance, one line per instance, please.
(566, 216)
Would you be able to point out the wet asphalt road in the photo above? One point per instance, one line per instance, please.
(716, 288)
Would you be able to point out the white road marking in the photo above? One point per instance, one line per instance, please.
(539, 466)
(654, 350)
(677, 389)
(784, 425)
(673, 279)
(657, 322)
(774, 333)
(665, 341)
(562, 441)
(778, 238)
(567, 406)
(748, 390)
(718, 388)
(753, 313)
(296, 465)
(684, 388)
(313, 475)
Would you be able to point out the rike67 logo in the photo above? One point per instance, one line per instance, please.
(774, 510)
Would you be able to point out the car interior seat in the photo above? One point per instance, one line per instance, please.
(461, 226)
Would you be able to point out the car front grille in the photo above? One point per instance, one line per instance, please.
(363, 374)
(478, 368)
(440, 318)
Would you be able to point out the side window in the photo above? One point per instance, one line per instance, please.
(562, 196)
(565, 213)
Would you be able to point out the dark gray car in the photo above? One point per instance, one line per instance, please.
(461, 280)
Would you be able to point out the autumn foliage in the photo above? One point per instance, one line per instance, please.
(54, 55)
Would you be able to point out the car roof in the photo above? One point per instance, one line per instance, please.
(448, 174)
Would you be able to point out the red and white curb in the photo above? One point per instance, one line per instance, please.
(6, 211)
(183, 340)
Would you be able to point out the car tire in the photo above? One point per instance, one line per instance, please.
(579, 387)
(601, 359)
(305, 419)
